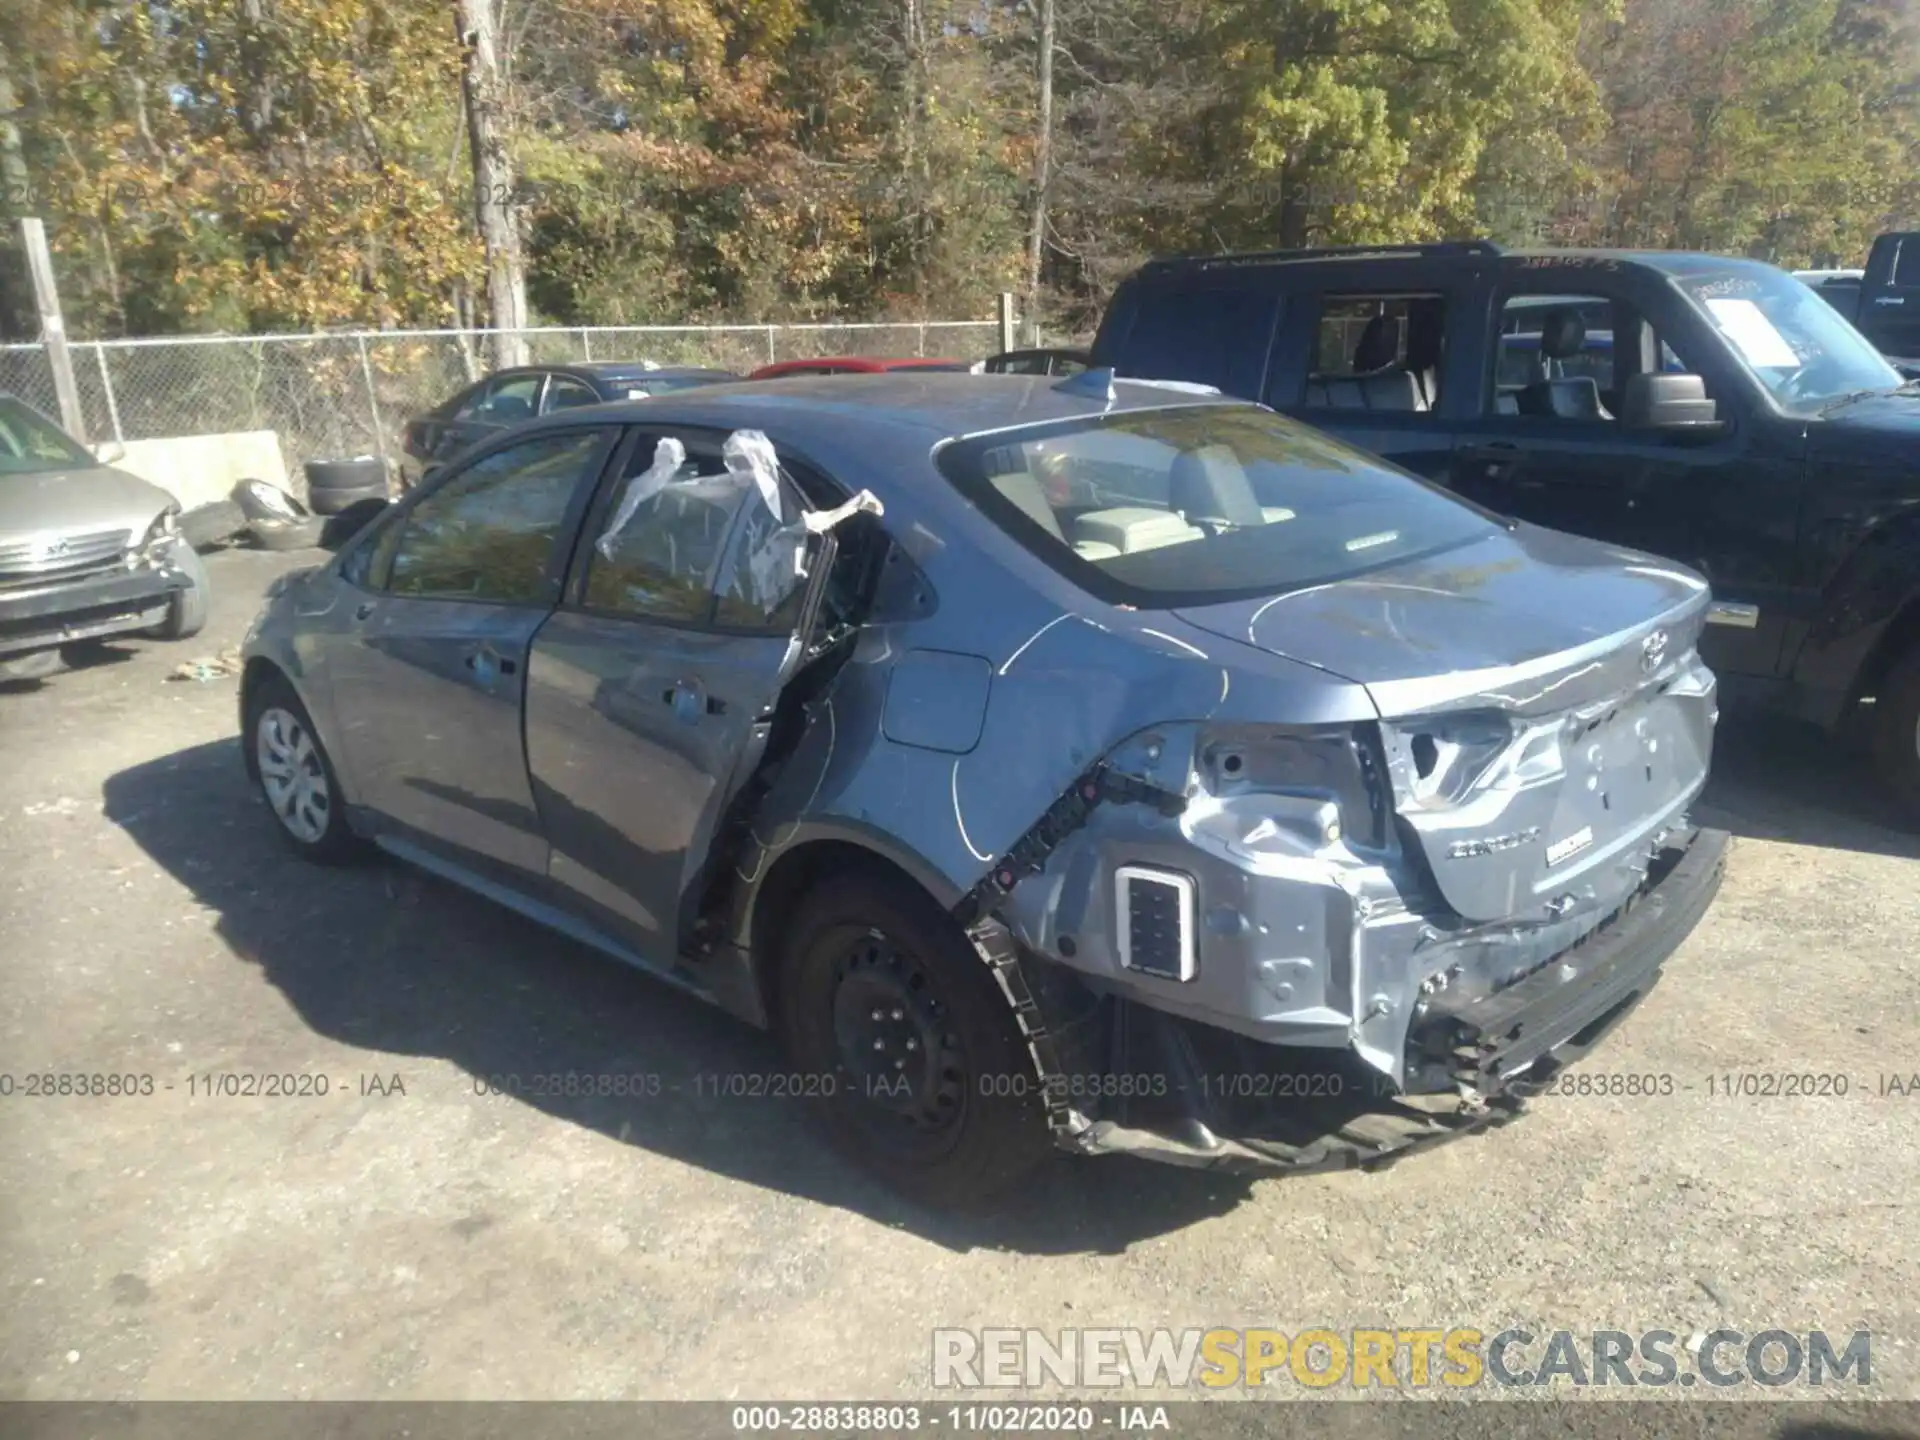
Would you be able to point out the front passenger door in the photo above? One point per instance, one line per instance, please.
(652, 689)
(430, 680)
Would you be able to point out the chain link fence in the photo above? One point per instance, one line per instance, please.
(344, 394)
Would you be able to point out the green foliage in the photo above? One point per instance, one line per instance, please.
(254, 165)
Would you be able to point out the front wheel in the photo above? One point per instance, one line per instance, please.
(290, 766)
(1897, 733)
(187, 608)
(921, 1071)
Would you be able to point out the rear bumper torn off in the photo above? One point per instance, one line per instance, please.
(1201, 1096)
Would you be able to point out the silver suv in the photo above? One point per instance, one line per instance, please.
(86, 551)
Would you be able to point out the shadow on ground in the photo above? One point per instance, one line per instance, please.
(386, 959)
(1777, 779)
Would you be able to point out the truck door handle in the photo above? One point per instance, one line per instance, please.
(485, 661)
(1499, 458)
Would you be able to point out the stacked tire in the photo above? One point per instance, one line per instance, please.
(333, 485)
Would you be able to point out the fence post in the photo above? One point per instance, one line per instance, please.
(106, 384)
(53, 330)
(1006, 320)
(586, 345)
(771, 355)
(373, 400)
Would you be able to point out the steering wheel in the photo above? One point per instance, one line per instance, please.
(1804, 382)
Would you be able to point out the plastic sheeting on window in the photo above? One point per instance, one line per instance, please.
(778, 561)
(668, 456)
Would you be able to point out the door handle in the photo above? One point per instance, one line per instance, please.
(689, 702)
(485, 662)
(1498, 459)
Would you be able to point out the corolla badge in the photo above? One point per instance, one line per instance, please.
(1653, 650)
(1492, 845)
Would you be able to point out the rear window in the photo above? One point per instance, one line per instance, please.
(1188, 505)
(1211, 336)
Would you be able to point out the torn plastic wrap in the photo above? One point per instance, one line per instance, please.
(777, 562)
(668, 456)
(749, 454)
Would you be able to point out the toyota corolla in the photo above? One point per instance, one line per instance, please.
(1084, 764)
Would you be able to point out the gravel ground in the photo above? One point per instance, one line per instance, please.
(404, 1236)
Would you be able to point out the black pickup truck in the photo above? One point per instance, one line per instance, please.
(1883, 301)
(1713, 411)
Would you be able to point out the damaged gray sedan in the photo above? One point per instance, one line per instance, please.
(1081, 764)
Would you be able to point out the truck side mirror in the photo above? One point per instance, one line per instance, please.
(1676, 403)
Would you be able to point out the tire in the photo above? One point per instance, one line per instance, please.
(276, 721)
(187, 610)
(287, 534)
(336, 530)
(333, 502)
(863, 946)
(1897, 733)
(260, 501)
(332, 485)
(35, 665)
(208, 525)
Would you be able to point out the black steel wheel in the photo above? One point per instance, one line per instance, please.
(897, 1026)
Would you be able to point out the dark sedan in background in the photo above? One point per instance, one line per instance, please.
(508, 397)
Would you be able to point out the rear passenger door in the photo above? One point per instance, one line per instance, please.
(652, 688)
(1370, 364)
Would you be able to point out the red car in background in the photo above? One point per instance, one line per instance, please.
(852, 365)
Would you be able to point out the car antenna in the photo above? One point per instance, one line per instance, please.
(1095, 384)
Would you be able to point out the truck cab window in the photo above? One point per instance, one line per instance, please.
(1378, 352)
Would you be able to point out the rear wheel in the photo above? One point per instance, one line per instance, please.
(924, 1077)
(290, 766)
(1897, 732)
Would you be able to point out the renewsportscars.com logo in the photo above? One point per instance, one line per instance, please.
(1413, 1359)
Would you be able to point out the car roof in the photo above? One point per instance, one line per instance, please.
(637, 369)
(928, 405)
(1456, 252)
(869, 363)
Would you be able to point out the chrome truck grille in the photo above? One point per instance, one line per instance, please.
(50, 559)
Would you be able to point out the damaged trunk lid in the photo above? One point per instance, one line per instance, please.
(1545, 716)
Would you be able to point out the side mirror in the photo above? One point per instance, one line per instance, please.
(110, 452)
(1676, 403)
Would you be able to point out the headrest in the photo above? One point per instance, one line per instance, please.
(1208, 484)
(1563, 334)
(1376, 349)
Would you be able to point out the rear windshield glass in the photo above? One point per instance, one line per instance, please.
(1200, 503)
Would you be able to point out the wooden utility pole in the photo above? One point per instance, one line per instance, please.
(53, 330)
(493, 211)
(1042, 165)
